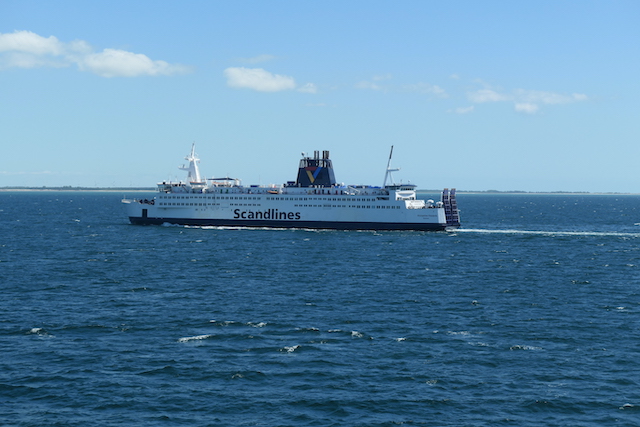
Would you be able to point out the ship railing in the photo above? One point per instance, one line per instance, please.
(359, 190)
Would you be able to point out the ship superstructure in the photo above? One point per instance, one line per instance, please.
(314, 200)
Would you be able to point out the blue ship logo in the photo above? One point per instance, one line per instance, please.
(314, 175)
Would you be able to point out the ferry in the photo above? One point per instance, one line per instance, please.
(315, 200)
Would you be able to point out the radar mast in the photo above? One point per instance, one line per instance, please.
(192, 168)
(389, 170)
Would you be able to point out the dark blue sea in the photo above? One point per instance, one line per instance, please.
(527, 316)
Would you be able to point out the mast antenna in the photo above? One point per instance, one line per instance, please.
(389, 170)
(192, 168)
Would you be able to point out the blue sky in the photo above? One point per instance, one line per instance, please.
(477, 95)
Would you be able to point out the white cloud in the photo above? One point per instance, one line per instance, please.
(464, 110)
(308, 88)
(370, 85)
(526, 107)
(548, 97)
(487, 95)
(28, 60)
(120, 63)
(525, 101)
(28, 42)
(25, 49)
(427, 88)
(258, 79)
(423, 88)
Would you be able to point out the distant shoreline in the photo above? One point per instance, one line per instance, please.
(153, 189)
(81, 189)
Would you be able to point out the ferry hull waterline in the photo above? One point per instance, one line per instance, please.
(315, 200)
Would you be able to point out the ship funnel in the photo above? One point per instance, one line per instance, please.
(316, 171)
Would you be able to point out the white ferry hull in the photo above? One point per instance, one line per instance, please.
(271, 214)
(314, 200)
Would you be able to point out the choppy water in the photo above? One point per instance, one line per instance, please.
(530, 315)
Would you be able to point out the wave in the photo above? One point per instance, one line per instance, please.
(549, 233)
(235, 323)
(41, 332)
(524, 347)
(195, 338)
(246, 228)
(290, 349)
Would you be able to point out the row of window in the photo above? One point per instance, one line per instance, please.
(207, 204)
(300, 206)
(348, 206)
(328, 199)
